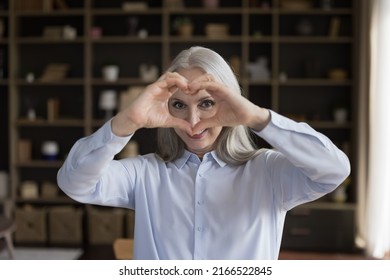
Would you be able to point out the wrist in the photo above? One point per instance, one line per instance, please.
(122, 125)
(261, 119)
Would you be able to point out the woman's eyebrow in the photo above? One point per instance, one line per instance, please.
(175, 99)
(172, 99)
(205, 98)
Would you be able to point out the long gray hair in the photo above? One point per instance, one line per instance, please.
(234, 144)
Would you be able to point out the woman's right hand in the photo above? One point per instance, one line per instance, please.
(150, 108)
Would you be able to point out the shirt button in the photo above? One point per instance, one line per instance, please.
(200, 202)
(200, 228)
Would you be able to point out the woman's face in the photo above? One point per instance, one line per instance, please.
(194, 108)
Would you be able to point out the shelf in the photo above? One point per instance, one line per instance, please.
(53, 200)
(40, 164)
(317, 11)
(43, 40)
(206, 11)
(65, 82)
(51, 13)
(59, 122)
(119, 82)
(254, 32)
(118, 11)
(329, 205)
(127, 40)
(205, 39)
(329, 125)
(315, 40)
(315, 82)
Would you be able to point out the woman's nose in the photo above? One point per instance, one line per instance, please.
(193, 116)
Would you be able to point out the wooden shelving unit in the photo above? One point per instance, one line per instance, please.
(5, 190)
(303, 93)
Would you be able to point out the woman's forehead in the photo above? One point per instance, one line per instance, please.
(191, 73)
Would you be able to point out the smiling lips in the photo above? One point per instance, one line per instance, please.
(198, 135)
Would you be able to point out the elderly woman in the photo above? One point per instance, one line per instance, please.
(207, 192)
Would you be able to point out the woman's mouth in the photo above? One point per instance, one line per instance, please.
(198, 135)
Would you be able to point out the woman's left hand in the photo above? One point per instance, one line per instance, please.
(231, 108)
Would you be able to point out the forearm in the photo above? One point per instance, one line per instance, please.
(123, 125)
(313, 153)
(87, 161)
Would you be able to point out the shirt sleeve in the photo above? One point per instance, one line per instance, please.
(90, 166)
(305, 164)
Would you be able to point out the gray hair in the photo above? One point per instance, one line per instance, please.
(234, 144)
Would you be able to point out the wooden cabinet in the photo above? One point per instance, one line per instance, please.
(319, 227)
(299, 62)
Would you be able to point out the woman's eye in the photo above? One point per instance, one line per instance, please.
(178, 105)
(207, 104)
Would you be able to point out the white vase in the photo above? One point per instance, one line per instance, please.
(108, 103)
(110, 73)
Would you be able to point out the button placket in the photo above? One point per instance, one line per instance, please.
(199, 225)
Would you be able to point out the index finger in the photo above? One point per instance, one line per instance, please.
(173, 81)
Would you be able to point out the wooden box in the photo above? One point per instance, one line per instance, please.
(30, 225)
(217, 30)
(65, 225)
(105, 225)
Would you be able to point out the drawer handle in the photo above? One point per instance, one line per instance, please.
(300, 231)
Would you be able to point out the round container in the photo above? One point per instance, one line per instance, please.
(50, 150)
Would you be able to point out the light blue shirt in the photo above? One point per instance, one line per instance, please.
(192, 209)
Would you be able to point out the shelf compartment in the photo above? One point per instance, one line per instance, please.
(315, 104)
(314, 61)
(128, 24)
(113, 54)
(38, 135)
(225, 49)
(233, 23)
(315, 25)
(35, 58)
(30, 26)
(52, 104)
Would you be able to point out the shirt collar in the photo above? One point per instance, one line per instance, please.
(188, 156)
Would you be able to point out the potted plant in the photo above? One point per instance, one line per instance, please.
(183, 26)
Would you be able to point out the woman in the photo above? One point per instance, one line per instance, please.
(207, 193)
